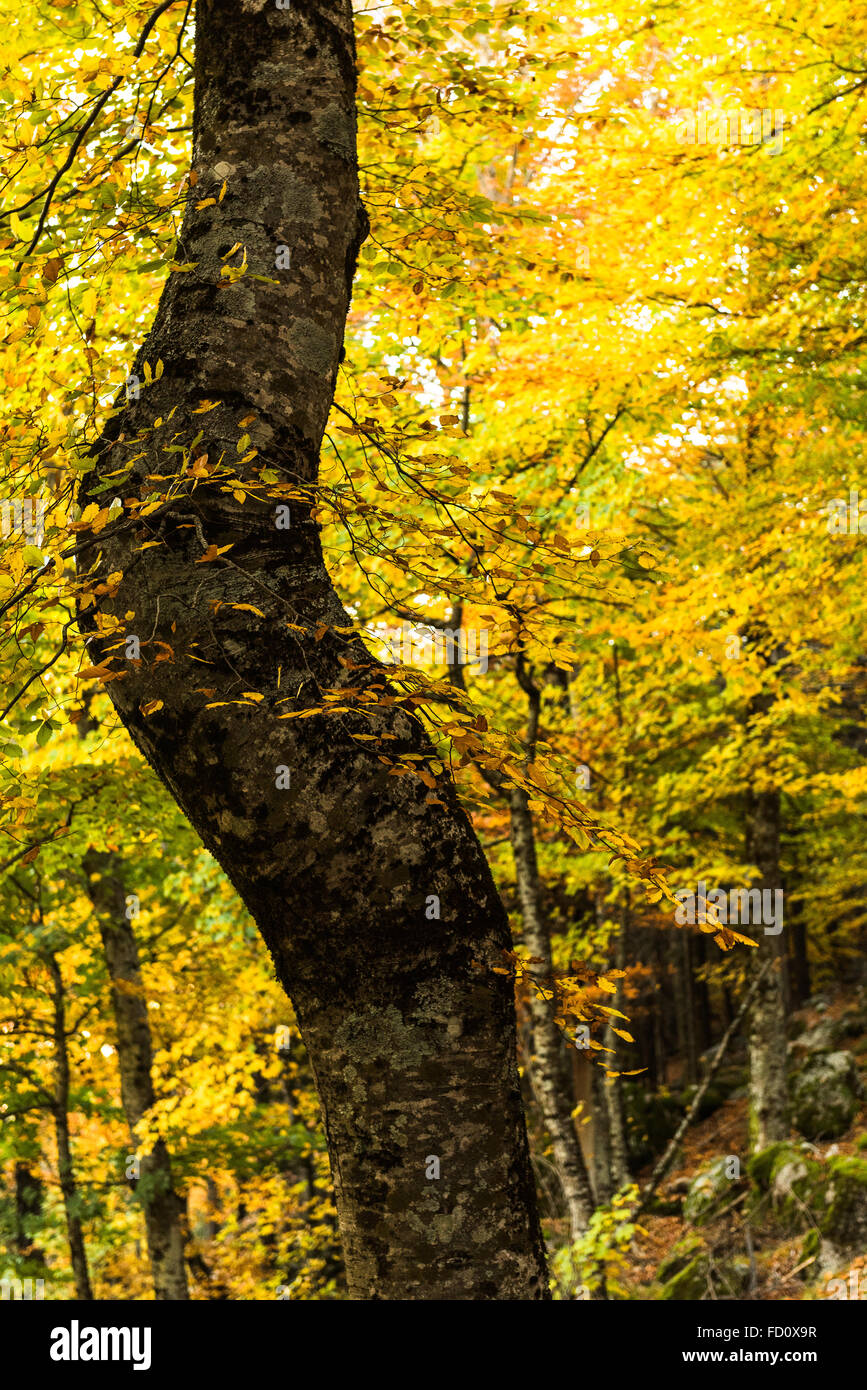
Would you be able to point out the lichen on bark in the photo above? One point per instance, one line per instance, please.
(334, 867)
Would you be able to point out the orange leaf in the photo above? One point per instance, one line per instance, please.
(95, 673)
(212, 552)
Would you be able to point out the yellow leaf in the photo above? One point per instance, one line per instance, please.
(744, 940)
(212, 552)
(95, 673)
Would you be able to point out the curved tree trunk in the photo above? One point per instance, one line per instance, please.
(550, 1073)
(160, 1203)
(370, 890)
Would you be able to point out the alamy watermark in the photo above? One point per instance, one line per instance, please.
(77, 1343)
(12, 1287)
(846, 518)
(855, 1288)
(446, 646)
(741, 906)
(732, 126)
(23, 516)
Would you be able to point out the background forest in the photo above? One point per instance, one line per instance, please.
(602, 412)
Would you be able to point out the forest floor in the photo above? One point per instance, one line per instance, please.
(778, 1269)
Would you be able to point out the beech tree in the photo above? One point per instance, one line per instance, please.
(370, 890)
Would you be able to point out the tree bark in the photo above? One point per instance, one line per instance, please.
(701, 993)
(768, 1057)
(613, 1091)
(660, 1065)
(601, 1140)
(28, 1211)
(161, 1205)
(799, 959)
(370, 890)
(675, 964)
(65, 1169)
(552, 1082)
(685, 965)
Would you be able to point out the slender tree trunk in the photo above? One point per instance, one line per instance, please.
(685, 964)
(799, 961)
(728, 1007)
(658, 1072)
(160, 1203)
(370, 890)
(768, 1093)
(601, 1140)
(581, 1094)
(549, 1066)
(701, 993)
(618, 1149)
(65, 1170)
(212, 1223)
(658, 1007)
(675, 971)
(28, 1210)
